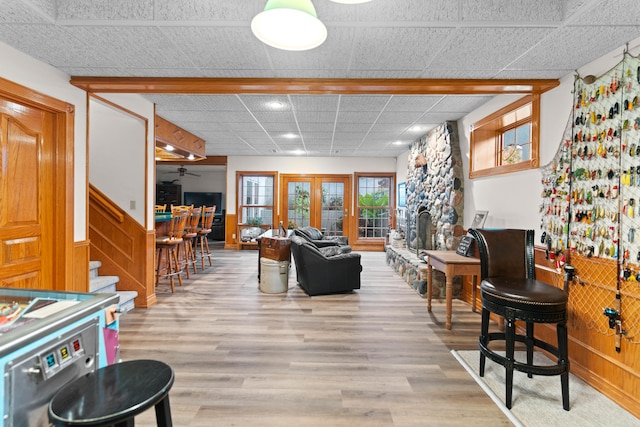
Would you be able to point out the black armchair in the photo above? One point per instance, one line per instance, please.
(318, 238)
(320, 272)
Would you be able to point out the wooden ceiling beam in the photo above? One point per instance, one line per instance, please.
(186, 85)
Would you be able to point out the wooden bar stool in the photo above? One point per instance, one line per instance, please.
(114, 395)
(509, 289)
(203, 232)
(167, 248)
(189, 239)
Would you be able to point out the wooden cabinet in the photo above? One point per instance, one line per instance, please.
(171, 194)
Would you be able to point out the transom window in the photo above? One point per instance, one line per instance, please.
(507, 140)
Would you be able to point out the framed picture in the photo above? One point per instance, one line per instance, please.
(479, 219)
(402, 195)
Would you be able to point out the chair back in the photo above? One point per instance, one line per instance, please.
(175, 208)
(208, 213)
(161, 208)
(193, 220)
(178, 223)
(505, 252)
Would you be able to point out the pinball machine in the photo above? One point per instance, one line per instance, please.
(48, 339)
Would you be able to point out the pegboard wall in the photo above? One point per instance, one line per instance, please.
(591, 202)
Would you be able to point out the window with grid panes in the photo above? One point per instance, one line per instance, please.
(255, 198)
(507, 140)
(374, 204)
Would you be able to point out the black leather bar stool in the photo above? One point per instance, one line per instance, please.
(509, 289)
(114, 395)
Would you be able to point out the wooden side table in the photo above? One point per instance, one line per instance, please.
(451, 264)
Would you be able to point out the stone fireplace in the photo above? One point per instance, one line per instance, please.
(434, 187)
(433, 217)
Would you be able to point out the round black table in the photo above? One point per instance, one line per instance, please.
(114, 395)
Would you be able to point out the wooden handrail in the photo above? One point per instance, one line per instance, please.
(103, 201)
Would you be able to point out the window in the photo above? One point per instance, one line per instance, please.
(506, 141)
(375, 198)
(256, 198)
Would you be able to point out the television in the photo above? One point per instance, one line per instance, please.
(200, 198)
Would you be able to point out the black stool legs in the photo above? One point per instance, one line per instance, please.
(510, 337)
(563, 345)
(163, 413)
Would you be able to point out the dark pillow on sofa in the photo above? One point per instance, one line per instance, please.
(330, 251)
(312, 232)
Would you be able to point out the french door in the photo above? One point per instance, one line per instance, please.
(321, 201)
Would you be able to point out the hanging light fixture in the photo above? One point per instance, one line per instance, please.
(289, 25)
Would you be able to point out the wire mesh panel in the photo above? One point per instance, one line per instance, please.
(591, 200)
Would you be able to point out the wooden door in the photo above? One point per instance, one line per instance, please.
(27, 138)
(321, 201)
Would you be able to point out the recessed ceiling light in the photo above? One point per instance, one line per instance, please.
(398, 143)
(416, 128)
(290, 135)
(276, 105)
(297, 152)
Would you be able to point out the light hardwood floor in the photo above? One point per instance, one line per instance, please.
(374, 357)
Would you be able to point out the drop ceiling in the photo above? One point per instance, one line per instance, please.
(383, 39)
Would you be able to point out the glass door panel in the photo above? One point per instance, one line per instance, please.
(332, 211)
(298, 204)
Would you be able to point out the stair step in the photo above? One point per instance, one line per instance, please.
(126, 301)
(103, 284)
(93, 268)
(107, 285)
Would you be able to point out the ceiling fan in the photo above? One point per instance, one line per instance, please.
(183, 171)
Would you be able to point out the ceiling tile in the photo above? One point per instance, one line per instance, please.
(549, 52)
(403, 48)
(399, 11)
(14, 11)
(207, 10)
(533, 11)
(486, 48)
(460, 103)
(218, 47)
(614, 13)
(312, 103)
(121, 10)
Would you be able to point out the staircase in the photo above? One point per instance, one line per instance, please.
(107, 284)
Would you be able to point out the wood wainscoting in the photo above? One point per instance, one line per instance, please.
(125, 248)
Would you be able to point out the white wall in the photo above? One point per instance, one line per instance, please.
(302, 165)
(27, 71)
(139, 164)
(116, 154)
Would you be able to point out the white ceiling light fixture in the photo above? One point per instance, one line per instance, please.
(289, 25)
